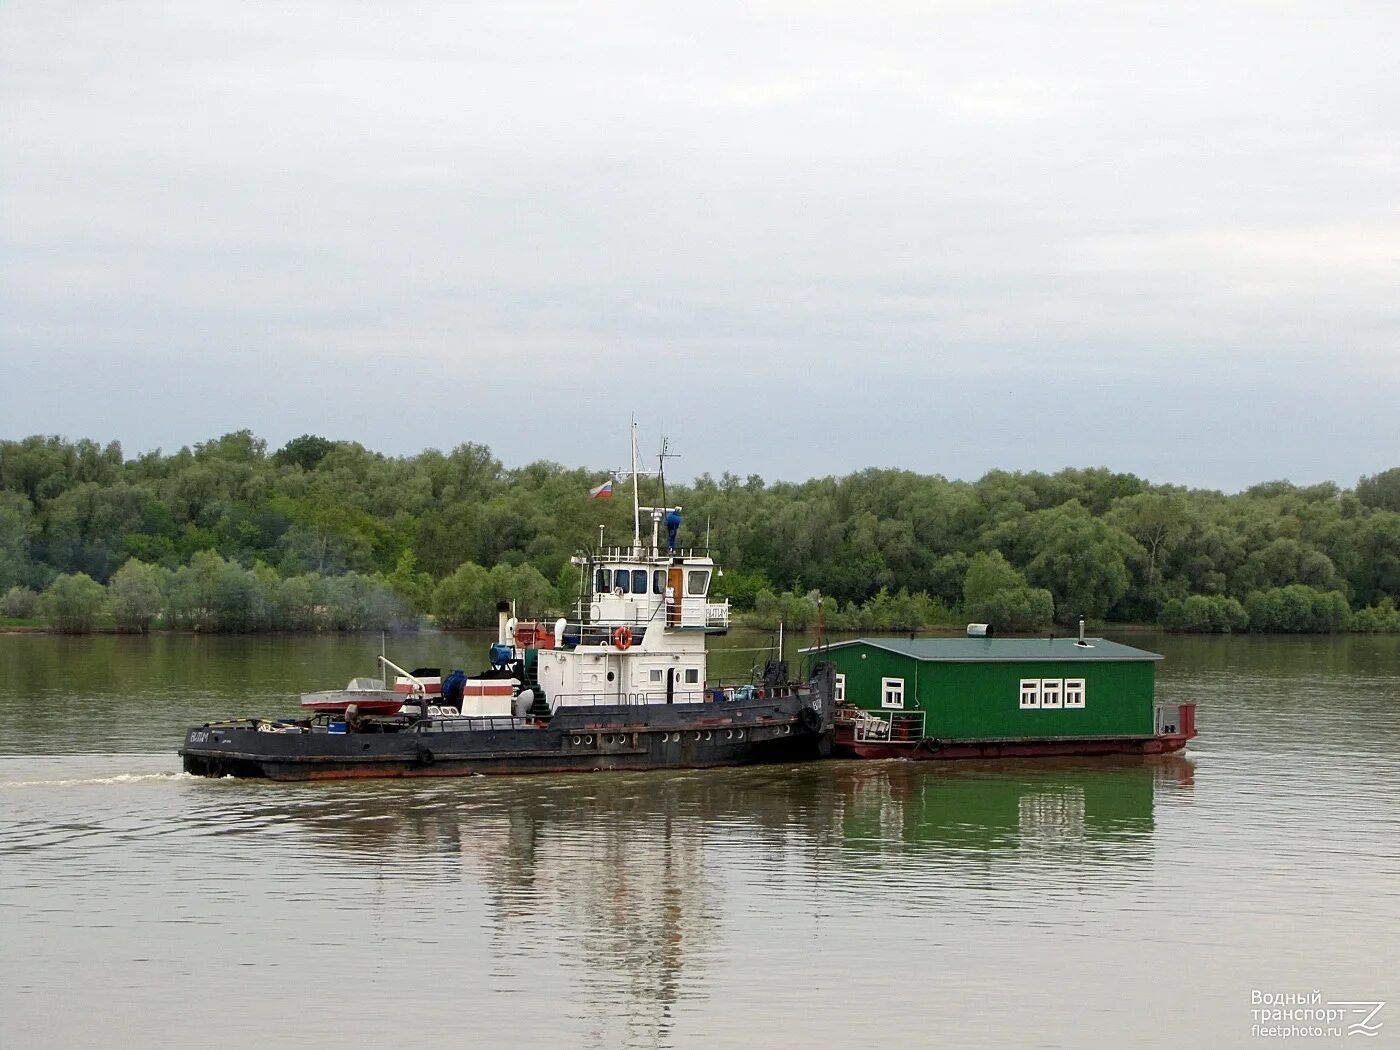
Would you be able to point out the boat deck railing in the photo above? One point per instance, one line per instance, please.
(646, 553)
(885, 726)
(711, 693)
(693, 615)
(456, 723)
(602, 699)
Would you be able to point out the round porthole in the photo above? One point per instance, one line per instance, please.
(611, 676)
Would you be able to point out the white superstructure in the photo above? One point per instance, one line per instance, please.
(639, 638)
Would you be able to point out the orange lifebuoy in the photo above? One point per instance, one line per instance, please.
(622, 638)
(758, 694)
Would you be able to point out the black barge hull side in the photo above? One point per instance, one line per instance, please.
(687, 736)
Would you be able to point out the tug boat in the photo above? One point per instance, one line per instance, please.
(620, 685)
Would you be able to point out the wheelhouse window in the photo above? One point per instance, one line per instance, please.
(600, 581)
(1051, 690)
(892, 692)
(840, 689)
(639, 581)
(1074, 692)
(622, 581)
(1030, 693)
(697, 582)
(658, 581)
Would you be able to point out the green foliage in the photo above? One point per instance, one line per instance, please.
(19, 603)
(1018, 609)
(305, 452)
(136, 595)
(1103, 544)
(886, 611)
(469, 596)
(413, 587)
(73, 602)
(1381, 491)
(988, 573)
(1158, 521)
(1383, 617)
(1083, 561)
(741, 588)
(1297, 609)
(17, 531)
(1206, 613)
(995, 592)
(793, 610)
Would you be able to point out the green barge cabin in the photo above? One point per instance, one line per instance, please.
(985, 697)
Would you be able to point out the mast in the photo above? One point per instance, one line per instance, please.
(636, 499)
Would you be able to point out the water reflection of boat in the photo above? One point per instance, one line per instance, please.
(1006, 805)
(621, 685)
(636, 882)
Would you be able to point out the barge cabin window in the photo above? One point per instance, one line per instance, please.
(1074, 692)
(1030, 693)
(1050, 691)
(840, 689)
(892, 692)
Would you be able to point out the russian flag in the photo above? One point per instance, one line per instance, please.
(603, 491)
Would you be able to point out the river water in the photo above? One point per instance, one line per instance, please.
(1113, 903)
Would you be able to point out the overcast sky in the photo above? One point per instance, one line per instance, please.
(800, 239)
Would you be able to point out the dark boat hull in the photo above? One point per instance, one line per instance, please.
(782, 729)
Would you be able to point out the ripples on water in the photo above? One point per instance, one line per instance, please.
(1066, 903)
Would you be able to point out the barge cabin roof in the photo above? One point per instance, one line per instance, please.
(998, 650)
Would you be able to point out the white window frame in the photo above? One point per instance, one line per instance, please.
(1075, 693)
(892, 693)
(840, 689)
(1030, 694)
(1052, 693)
(656, 675)
(692, 676)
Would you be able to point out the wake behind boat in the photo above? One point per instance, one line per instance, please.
(620, 685)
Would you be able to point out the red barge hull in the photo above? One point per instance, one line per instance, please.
(848, 742)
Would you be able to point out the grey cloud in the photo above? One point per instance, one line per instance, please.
(804, 239)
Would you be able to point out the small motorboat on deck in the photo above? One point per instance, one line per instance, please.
(373, 696)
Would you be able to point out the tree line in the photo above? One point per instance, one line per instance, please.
(321, 534)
